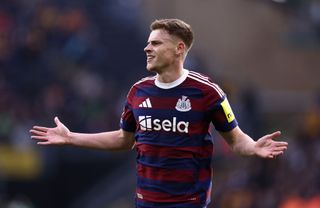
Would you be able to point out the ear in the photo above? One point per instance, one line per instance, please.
(181, 47)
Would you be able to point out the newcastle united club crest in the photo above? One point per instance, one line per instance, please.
(183, 104)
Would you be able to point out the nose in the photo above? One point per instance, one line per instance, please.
(147, 48)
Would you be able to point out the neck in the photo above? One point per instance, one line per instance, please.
(171, 75)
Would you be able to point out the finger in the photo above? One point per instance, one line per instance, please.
(277, 153)
(41, 128)
(39, 137)
(275, 134)
(56, 120)
(280, 144)
(273, 155)
(279, 149)
(39, 133)
(43, 143)
(270, 156)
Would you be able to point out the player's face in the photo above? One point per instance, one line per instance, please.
(160, 50)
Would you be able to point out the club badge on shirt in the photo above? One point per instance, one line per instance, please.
(183, 104)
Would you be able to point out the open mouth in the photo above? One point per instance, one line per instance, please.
(150, 58)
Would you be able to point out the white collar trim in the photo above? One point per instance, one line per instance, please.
(173, 84)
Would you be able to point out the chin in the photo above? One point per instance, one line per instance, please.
(151, 69)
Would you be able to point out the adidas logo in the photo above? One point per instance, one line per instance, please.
(147, 123)
(146, 104)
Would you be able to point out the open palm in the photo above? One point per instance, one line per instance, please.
(58, 135)
(266, 147)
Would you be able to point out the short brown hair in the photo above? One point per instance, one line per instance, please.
(175, 27)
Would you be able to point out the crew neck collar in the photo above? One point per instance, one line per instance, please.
(173, 84)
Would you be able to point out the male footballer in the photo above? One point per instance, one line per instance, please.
(166, 118)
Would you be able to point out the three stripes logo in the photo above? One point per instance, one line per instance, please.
(146, 104)
(148, 123)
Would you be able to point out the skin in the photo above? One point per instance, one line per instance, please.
(165, 56)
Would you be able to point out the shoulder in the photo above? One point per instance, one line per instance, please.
(144, 82)
(205, 83)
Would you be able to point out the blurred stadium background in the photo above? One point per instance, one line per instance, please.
(77, 59)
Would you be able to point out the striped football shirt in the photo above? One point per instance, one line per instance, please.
(174, 146)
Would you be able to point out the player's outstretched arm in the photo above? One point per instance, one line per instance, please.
(265, 147)
(61, 135)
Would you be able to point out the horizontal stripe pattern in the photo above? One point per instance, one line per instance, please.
(174, 175)
(173, 142)
(174, 163)
(165, 174)
(174, 188)
(168, 140)
(147, 204)
(169, 103)
(142, 91)
(153, 196)
(203, 151)
(192, 116)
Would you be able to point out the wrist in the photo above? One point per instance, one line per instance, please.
(69, 138)
(254, 149)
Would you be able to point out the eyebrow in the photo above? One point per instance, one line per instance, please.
(154, 41)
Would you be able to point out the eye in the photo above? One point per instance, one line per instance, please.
(155, 43)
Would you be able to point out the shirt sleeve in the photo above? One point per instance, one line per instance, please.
(222, 116)
(127, 121)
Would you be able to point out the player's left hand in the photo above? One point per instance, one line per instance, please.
(266, 147)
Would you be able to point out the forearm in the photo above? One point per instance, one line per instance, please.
(113, 140)
(244, 146)
(240, 142)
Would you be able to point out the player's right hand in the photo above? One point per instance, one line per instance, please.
(59, 135)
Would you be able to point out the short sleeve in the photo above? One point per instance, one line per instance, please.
(222, 116)
(127, 121)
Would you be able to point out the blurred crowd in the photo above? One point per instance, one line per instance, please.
(62, 59)
(69, 58)
(290, 181)
(305, 21)
(66, 59)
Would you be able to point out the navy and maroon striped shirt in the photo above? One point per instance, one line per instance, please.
(173, 141)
